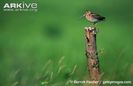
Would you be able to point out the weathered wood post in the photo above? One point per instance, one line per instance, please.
(92, 55)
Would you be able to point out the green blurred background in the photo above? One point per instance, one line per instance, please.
(47, 47)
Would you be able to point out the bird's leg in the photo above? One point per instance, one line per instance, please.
(97, 30)
(94, 24)
(93, 27)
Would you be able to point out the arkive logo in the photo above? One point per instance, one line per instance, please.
(21, 6)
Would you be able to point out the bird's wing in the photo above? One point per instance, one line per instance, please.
(99, 17)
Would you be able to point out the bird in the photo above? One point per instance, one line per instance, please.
(93, 17)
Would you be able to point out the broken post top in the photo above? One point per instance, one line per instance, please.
(92, 30)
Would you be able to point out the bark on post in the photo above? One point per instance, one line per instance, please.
(92, 55)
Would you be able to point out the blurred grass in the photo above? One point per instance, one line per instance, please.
(28, 40)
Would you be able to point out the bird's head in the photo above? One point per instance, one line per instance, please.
(87, 13)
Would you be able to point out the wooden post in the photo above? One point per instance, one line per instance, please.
(92, 55)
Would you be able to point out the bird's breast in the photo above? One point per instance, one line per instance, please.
(91, 19)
